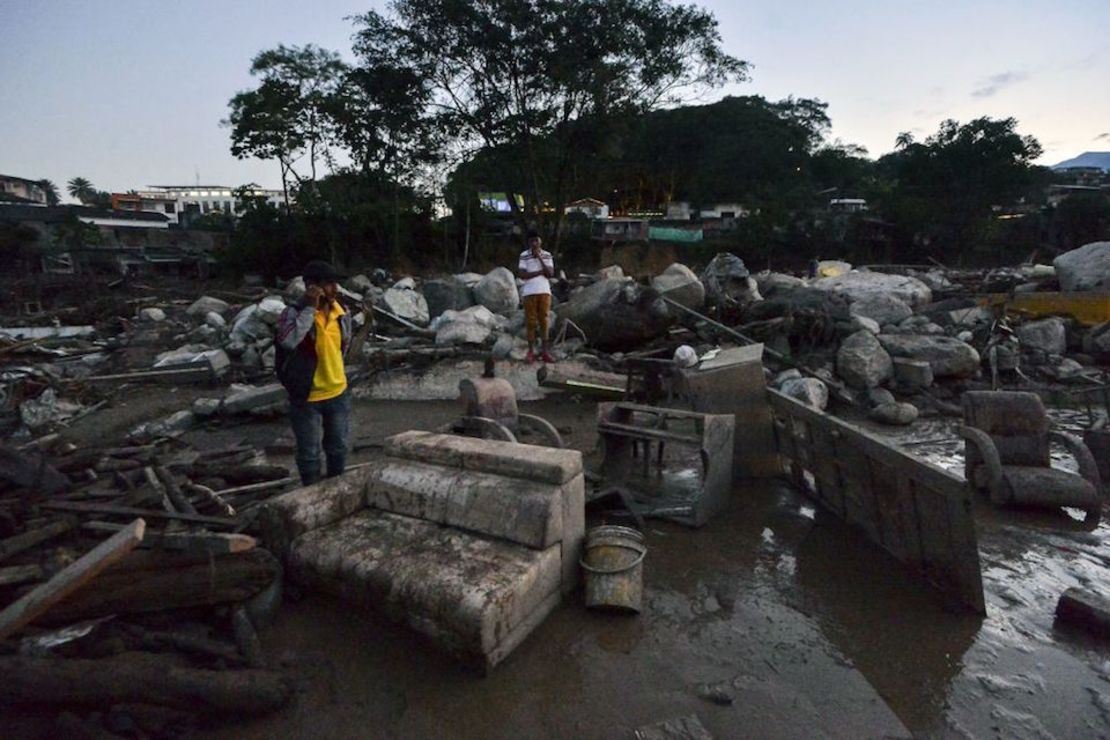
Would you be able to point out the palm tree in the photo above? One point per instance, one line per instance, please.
(81, 189)
(51, 191)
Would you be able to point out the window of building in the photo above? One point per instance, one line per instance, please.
(170, 208)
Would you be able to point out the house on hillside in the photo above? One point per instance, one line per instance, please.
(21, 190)
(847, 205)
(180, 203)
(589, 207)
(620, 229)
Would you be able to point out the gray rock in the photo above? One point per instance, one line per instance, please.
(249, 325)
(243, 398)
(785, 375)
(448, 294)
(809, 391)
(971, 316)
(152, 314)
(879, 397)
(270, 309)
(462, 332)
(507, 344)
(405, 283)
(469, 279)
(858, 285)
(205, 407)
(881, 307)
(612, 271)
(215, 320)
(497, 291)
(769, 282)
(408, 304)
(294, 289)
(1086, 268)
(727, 281)
(895, 414)
(251, 358)
(269, 357)
(862, 323)
(206, 304)
(1046, 335)
(1096, 342)
(679, 283)
(617, 314)
(679, 728)
(171, 426)
(949, 358)
(862, 362)
(912, 374)
(474, 314)
(360, 284)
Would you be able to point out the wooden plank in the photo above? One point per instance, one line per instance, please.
(38, 601)
(26, 540)
(216, 543)
(14, 574)
(82, 507)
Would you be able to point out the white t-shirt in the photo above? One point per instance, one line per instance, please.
(530, 263)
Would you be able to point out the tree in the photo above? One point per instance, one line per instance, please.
(81, 189)
(517, 74)
(286, 116)
(945, 187)
(51, 191)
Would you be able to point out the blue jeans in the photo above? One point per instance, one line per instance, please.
(333, 416)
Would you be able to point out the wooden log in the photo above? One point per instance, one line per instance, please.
(142, 678)
(82, 507)
(180, 502)
(194, 645)
(257, 487)
(14, 574)
(247, 638)
(153, 580)
(214, 543)
(70, 579)
(29, 539)
(211, 496)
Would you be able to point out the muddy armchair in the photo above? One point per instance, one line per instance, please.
(1007, 454)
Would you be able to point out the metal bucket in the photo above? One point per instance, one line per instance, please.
(614, 568)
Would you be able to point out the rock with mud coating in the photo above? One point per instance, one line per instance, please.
(912, 374)
(862, 362)
(448, 294)
(728, 282)
(462, 332)
(881, 307)
(859, 285)
(497, 291)
(895, 414)
(204, 304)
(679, 283)
(809, 391)
(617, 314)
(407, 304)
(1096, 342)
(1047, 335)
(948, 357)
(152, 315)
(1086, 268)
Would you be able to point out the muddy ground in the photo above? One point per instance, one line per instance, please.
(814, 632)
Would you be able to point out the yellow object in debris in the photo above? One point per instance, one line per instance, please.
(832, 268)
(1087, 308)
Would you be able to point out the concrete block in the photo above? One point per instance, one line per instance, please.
(530, 462)
(1085, 609)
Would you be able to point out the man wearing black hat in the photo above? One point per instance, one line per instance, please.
(312, 339)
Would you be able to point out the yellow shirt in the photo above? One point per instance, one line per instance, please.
(330, 380)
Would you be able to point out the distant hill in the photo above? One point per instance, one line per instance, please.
(1087, 159)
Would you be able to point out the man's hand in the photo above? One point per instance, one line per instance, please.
(313, 295)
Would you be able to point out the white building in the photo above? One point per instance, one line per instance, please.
(590, 207)
(680, 210)
(175, 201)
(21, 189)
(847, 205)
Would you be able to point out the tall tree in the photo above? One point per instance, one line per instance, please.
(286, 116)
(945, 186)
(515, 74)
(81, 189)
(51, 191)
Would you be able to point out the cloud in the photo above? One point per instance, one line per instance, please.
(994, 83)
(1103, 137)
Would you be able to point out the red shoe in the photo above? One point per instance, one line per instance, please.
(530, 358)
(546, 357)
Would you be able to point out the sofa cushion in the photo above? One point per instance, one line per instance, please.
(467, 592)
(530, 462)
(521, 511)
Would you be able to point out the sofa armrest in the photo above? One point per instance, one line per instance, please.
(991, 461)
(284, 518)
(1088, 468)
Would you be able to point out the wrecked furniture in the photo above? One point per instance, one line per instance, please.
(1008, 455)
(469, 541)
(686, 477)
(491, 412)
(614, 565)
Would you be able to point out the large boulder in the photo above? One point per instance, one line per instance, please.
(1046, 335)
(270, 309)
(448, 294)
(294, 289)
(895, 414)
(679, 283)
(727, 282)
(249, 325)
(949, 358)
(205, 304)
(462, 332)
(1086, 268)
(497, 291)
(617, 314)
(360, 284)
(407, 304)
(152, 314)
(862, 362)
(769, 283)
(474, 315)
(860, 285)
(882, 307)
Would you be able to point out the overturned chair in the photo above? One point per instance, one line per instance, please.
(490, 411)
(471, 542)
(1007, 454)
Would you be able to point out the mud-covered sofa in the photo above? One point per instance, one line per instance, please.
(470, 542)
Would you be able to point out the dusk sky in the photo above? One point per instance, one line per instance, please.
(129, 95)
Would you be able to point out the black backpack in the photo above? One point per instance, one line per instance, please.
(295, 367)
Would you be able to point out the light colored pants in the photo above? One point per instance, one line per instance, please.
(536, 308)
